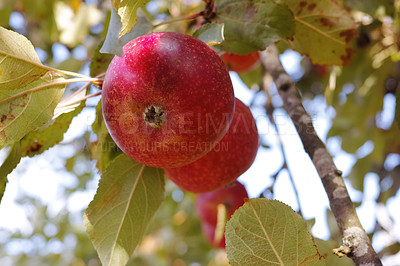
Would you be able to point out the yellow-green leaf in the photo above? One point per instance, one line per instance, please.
(268, 232)
(325, 248)
(104, 150)
(42, 139)
(127, 11)
(127, 197)
(19, 63)
(323, 31)
(74, 26)
(30, 111)
(113, 43)
(397, 109)
(210, 33)
(9, 164)
(253, 25)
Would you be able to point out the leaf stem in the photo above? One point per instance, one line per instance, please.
(40, 65)
(178, 19)
(44, 86)
(81, 99)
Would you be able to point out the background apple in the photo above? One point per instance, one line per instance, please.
(168, 100)
(241, 63)
(231, 196)
(230, 158)
(209, 234)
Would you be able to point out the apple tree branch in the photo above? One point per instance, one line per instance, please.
(356, 243)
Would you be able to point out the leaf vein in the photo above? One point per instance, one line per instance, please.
(266, 235)
(20, 77)
(126, 211)
(319, 31)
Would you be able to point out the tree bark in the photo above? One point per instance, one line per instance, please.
(354, 239)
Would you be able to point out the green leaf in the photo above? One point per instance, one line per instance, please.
(324, 29)
(358, 172)
(104, 150)
(127, 11)
(127, 197)
(42, 139)
(28, 112)
(99, 62)
(253, 25)
(19, 63)
(397, 110)
(325, 249)
(113, 43)
(5, 12)
(353, 118)
(267, 232)
(12, 160)
(372, 7)
(210, 33)
(253, 77)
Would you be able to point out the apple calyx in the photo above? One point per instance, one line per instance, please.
(154, 116)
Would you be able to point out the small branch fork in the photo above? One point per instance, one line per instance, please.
(72, 99)
(354, 236)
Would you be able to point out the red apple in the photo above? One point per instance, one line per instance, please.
(209, 234)
(232, 197)
(230, 158)
(321, 70)
(241, 63)
(168, 100)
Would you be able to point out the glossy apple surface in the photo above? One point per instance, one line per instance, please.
(168, 100)
(230, 158)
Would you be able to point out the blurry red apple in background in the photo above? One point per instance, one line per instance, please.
(232, 197)
(230, 158)
(321, 70)
(209, 234)
(241, 63)
(168, 100)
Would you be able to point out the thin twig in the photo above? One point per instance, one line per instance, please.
(79, 91)
(81, 99)
(341, 205)
(40, 65)
(44, 86)
(270, 110)
(178, 19)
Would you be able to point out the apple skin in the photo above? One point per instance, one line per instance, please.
(230, 158)
(209, 233)
(232, 197)
(168, 100)
(241, 63)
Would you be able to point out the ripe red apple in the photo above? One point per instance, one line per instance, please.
(232, 197)
(241, 63)
(230, 158)
(209, 234)
(168, 100)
